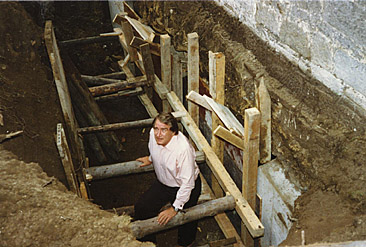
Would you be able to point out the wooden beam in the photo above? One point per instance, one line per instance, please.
(226, 135)
(142, 228)
(118, 86)
(124, 93)
(65, 155)
(88, 40)
(125, 168)
(264, 106)
(193, 72)
(242, 207)
(166, 67)
(149, 106)
(137, 42)
(217, 90)
(113, 75)
(128, 33)
(198, 99)
(177, 78)
(97, 81)
(250, 164)
(149, 68)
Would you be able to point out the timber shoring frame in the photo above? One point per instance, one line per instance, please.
(242, 207)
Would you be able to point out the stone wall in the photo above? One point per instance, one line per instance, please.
(326, 38)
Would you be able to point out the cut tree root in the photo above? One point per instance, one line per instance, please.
(4, 137)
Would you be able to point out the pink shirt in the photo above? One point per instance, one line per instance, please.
(175, 165)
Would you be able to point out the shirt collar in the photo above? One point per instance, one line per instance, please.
(172, 143)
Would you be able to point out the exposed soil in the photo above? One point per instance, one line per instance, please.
(35, 211)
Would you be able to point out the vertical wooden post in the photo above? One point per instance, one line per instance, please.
(193, 73)
(217, 91)
(149, 68)
(128, 33)
(166, 67)
(264, 106)
(177, 80)
(250, 164)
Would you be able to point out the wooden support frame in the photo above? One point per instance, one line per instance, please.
(226, 135)
(149, 68)
(217, 90)
(177, 80)
(242, 207)
(193, 72)
(250, 163)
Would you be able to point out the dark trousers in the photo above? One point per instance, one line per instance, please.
(150, 203)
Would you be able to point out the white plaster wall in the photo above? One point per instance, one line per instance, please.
(326, 38)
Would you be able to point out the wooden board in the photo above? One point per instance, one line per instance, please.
(242, 207)
(149, 106)
(226, 116)
(193, 72)
(199, 100)
(226, 135)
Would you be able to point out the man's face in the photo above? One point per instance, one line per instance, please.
(162, 133)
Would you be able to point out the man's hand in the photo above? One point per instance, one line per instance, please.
(145, 161)
(165, 216)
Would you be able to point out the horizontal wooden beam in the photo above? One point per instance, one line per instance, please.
(142, 228)
(244, 210)
(119, 86)
(125, 168)
(88, 40)
(124, 93)
(98, 81)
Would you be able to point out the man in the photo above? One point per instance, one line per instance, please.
(178, 181)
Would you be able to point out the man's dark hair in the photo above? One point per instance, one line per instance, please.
(168, 119)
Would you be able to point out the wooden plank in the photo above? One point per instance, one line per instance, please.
(264, 106)
(222, 220)
(141, 29)
(97, 81)
(149, 68)
(149, 106)
(130, 12)
(250, 164)
(159, 88)
(65, 155)
(166, 67)
(226, 135)
(226, 116)
(88, 40)
(242, 207)
(113, 75)
(142, 228)
(199, 100)
(193, 72)
(217, 90)
(177, 78)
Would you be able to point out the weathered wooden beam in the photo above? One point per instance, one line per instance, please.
(118, 86)
(193, 72)
(166, 67)
(217, 90)
(124, 93)
(226, 135)
(88, 40)
(97, 81)
(125, 168)
(142, 228)
(65, 155)
(264, 106)
(242, 207)
(149, 106)
(148, 63)
(177, 78)
(250, 164)
(114, 75)
(117, 126)
(128, 33)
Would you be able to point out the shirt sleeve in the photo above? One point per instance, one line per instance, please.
(186, 174)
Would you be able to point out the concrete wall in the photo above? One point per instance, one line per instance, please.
(325, 38)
